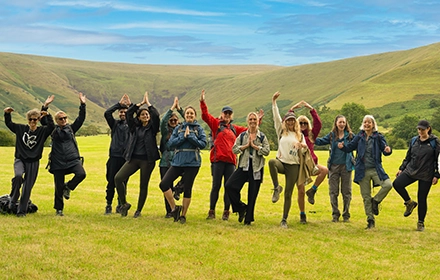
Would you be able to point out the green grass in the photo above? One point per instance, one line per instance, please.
(85, 244)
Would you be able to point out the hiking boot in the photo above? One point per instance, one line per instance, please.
(211, 215)
(371, 224)
(108, 210)
(168, 215)
(311, 195)
(276, 193)
(124, 209)
(335, 219)
(176, 212)
(420, 226)
(225, 216)
(59, 213)
(247, 223)
(118, 209)
(182, 219)
(283, 223)
(302, 218)
(21, 215)
(409, 207)
(241, 214)
(66, 192)
(137, 214)
(375, 206)
(346, 220)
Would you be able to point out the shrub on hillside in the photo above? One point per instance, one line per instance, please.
(6, 138)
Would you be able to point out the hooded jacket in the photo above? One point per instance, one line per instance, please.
(359, 143)
(152, 128)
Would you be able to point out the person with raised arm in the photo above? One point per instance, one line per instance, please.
(119, 137)
(311, 132)
(29, 144)
(223, 160)
(291, 143)
(167, 124)
(141, 152)
(65, 157)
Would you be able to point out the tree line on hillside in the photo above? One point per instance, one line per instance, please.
(398, 137)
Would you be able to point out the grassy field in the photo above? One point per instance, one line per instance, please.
(85, 244)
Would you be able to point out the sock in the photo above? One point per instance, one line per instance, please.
(314, 187)
(301, 213)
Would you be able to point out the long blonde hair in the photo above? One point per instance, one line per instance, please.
(296, 130)
(303, 118)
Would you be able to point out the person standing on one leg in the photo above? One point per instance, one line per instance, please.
(252, 145)
(167, 125)
(420, 164)
(119, 138)
(311, 132)
(29, 144)
(187, 140)
(370, 145)
(223, 160)
(291, 142)
(141, 153)
(340, 166)
(64, 156)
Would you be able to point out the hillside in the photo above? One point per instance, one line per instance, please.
(388, 80)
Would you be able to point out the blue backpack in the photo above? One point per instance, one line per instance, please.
(432, 142)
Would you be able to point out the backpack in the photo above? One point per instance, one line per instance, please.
(432, 142)
(242, 135)
(4, 205)
(221, 127)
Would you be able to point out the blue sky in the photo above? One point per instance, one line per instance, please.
(277, 32)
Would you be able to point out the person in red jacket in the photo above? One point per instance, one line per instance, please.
(223, 159)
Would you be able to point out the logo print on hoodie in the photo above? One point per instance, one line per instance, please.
(29, 140)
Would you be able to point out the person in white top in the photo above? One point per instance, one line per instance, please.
(290, 143)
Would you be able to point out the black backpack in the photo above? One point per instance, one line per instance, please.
(4, 205)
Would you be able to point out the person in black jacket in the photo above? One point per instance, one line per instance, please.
(64, 156)
(141, 153)
(420, 164)
(29, 144)
(119, 136)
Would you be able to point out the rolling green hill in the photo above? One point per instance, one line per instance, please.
(392, 84)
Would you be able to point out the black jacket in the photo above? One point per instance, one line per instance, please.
(29, 144)
(65, 153)
(421, 161)
(119, 132)
(152, 129)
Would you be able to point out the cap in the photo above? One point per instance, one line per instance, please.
(227, 108)
(423, 124)
(289, 115)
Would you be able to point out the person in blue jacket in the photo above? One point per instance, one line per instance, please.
(340, 166)
(187, 140)
(370, 145)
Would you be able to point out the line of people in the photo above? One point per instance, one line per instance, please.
(133, 147)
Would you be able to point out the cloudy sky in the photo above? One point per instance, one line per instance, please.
(201, 32)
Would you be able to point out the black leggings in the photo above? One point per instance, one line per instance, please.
(128, 169)
(188, 177)
(400, 184)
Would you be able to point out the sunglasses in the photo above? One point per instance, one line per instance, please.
(303, 123)
(33, 119)
(62, 118)
(173, 120)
